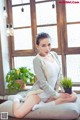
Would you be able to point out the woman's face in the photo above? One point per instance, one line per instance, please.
(44, 46)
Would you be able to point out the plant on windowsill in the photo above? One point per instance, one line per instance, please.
(18, 78)
(66, 84)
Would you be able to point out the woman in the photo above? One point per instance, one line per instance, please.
(48, 73)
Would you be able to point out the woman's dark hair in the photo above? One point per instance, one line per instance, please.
(41, 36)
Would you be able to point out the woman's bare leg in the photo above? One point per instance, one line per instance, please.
(64, 98)
(20, 110)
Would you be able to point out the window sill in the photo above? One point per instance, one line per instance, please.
(5, 97)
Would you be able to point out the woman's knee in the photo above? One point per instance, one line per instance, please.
(18, 114)
(32, 99)
(74, 97)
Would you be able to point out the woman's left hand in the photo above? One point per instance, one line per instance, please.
(50, 99)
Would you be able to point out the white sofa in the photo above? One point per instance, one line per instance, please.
(63, 111)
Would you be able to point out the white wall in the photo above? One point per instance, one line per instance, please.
(4, 41)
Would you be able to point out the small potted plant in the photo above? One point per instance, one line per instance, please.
(66, 84)
(17, 79)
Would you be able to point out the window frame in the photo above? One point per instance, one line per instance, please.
(62, 49)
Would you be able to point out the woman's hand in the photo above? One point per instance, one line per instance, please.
(65, 95)
(50, 99)
(66, 98)
(62, 96)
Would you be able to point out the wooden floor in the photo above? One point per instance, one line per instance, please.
(10, 118)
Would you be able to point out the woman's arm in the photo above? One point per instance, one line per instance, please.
(42, 78)
(57, 85)
(64, 98)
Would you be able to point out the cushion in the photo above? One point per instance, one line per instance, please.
(62, 111)
(78, 102)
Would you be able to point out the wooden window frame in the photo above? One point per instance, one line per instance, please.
(62, 49)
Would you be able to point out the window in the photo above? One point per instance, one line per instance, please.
(18, 16)
(23, 39)
(72, 16)
(73, 67)
(22, 25)
(73, 24)
(60, 22)
(47, 15)
(14, 2)
(73, 35)
(24, 61)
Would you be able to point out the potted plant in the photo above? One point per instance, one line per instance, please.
(17, 79)
(66, 83)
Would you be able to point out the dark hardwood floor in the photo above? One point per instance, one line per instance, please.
(1, 101)
(11, 118)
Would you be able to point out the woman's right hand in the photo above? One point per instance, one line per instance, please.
(65, 95)
(66, 98)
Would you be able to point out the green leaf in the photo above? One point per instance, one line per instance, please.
(66, 82)
(21, 73)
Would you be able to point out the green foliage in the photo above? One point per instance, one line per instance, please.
(22, 73)
(66, 83)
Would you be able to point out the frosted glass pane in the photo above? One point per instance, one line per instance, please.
(21, 19)
(52, 31)
(45, 13)
(72, 12)
(73, 67)
(73, 35)
(20, 1)
(24, 62)
(23, 39)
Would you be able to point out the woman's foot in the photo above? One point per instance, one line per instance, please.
(42, 104)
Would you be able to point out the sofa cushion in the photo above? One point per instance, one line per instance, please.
(6, 107)
(62, 111)
(78, 102)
